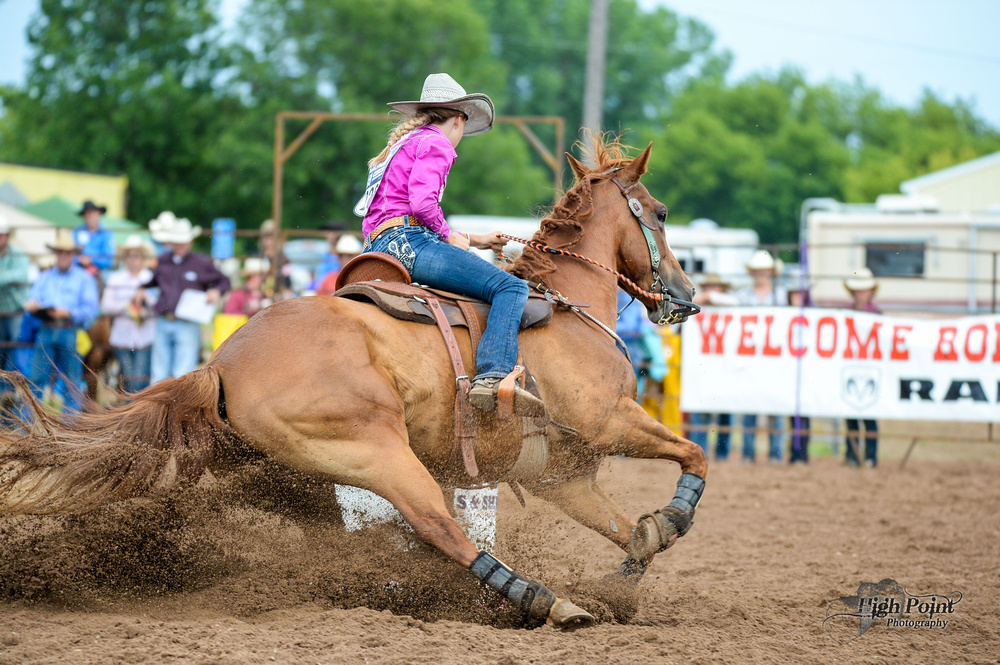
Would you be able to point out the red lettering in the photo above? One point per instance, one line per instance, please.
(797, 351)
(946, 337)
(768, 349)
(899, 351)
(981, 353)
(832, 323)
(710, 333)
(996, 354)
(746, 334)
(852, 336)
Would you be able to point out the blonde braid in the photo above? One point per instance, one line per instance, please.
(401, 130)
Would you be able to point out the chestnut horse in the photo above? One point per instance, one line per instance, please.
(351, 395)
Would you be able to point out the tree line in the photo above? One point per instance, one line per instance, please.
(158, 91)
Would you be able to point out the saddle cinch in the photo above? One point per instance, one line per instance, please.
(380, 279)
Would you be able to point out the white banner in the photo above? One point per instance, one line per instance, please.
(840, 364)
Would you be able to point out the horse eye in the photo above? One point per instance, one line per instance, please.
(661, 215)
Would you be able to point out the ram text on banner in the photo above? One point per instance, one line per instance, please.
(841, 364)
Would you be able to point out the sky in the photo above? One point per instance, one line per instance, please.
(899, 47)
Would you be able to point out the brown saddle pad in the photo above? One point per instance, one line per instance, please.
(403, 301)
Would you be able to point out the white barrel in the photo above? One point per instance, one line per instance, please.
(475, 511)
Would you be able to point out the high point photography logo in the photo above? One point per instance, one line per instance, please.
(850, 617)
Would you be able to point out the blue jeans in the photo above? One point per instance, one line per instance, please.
(135, 364)
(442, 266)
(176, 349)
(750, 434)
(721, 437)
(55, 356)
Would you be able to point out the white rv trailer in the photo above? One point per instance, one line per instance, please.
(924, 259)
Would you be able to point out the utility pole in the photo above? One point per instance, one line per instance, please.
(597, 48)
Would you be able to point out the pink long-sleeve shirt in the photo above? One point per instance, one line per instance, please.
(414, 182)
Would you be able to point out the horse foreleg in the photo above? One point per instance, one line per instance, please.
(585, 501)
(637, 434)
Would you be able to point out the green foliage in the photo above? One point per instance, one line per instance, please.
(153, 90)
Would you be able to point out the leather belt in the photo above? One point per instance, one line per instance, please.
(391, 223)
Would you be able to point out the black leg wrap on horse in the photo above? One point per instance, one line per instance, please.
(532, 598)
(655, 532)
(689, 490)
(632, 569)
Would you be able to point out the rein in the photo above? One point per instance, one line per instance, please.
(682, 310)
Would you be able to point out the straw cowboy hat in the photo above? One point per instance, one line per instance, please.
(90, 205)
(762, 260)
(862, 280)
(349, 244)
(135, 242)
(64, 242)
(442, 91)
(267, 227)
(255, 266)
(168, 229)
(714, 279)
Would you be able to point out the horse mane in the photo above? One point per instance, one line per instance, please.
(606, 152)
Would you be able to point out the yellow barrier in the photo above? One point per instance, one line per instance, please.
(225, 325)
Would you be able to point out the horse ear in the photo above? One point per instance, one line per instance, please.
(637, 166)
(578, 167)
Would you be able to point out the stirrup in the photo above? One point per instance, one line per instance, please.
(483, 395)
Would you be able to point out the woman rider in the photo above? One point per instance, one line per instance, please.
(403, 218)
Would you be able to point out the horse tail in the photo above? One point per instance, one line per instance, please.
(168, 434)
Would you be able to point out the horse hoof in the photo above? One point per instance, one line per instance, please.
(568, 616)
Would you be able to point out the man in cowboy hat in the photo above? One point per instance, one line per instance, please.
(763, 269)
(177, 342)
(862, 287)
(64, 299)
(14, 287)
(713, 291)
(96, 242)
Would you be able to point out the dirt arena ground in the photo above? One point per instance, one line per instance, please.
(254, 569)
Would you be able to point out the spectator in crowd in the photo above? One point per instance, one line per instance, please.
(132, 326)
(798, 296)
(14, 288)
(862, 287)
(269, 251)
(330, 261)
(177, 342)
(714, 292)
(249, 298)
(347, 248)
(96, 242)
(64, 299)
(762, 292)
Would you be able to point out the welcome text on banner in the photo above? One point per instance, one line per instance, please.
(841, 364)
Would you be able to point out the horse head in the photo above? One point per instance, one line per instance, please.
(651, 272)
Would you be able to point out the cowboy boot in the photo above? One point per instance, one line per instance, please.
(483, 395)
